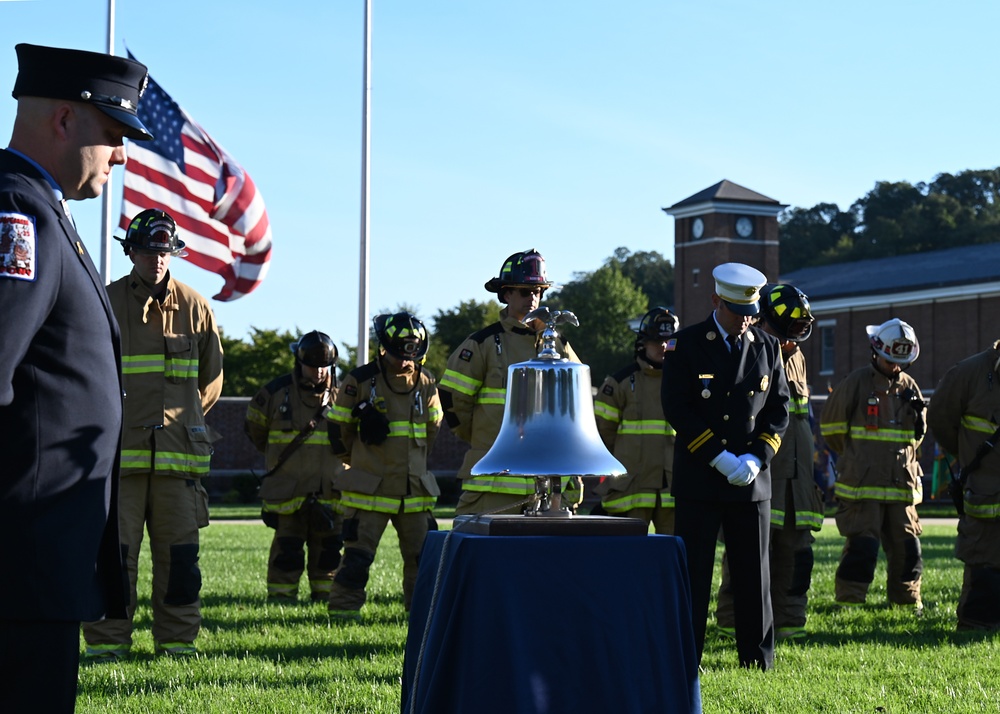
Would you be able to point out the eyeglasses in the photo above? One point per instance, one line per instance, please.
(528, 292)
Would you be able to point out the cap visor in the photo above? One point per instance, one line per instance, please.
(135, 129)
(751, 309)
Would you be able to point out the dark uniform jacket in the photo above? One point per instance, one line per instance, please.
(715, 406)
(60, 413)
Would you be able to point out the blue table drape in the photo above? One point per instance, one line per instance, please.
(552, 624)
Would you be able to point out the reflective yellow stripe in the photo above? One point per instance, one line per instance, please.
(501, 483)
(644, 499)
(384, 504)
(606, 411)
(316, 438)
(459, 382)
(643, 427)
(833, 427)
(285, 508)
(492, 396)
(182, 368)
(799, 406)
(169, 461)
(984, 511)
(896, 436)
(974, 423)
(142, 364)
(808, 519)
(887, 494)
(256, 416)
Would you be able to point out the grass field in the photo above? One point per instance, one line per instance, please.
(260, 657)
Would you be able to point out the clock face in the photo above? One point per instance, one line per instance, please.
(744, 227)
(697, 228)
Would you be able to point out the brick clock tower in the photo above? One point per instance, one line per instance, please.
(725, 223)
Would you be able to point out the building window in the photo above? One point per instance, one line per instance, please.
(826, 345)
(694, 277)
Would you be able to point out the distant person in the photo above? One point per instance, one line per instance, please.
(285, 421)
(383, 423)
(60, 371)
(630, 420)
(874, 421)
(964, 415)
(725, 393)
(172, 363)
(796, 499)
(474, 384)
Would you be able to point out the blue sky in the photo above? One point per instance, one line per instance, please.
(548, 124)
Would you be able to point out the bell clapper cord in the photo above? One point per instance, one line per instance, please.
(533, 500)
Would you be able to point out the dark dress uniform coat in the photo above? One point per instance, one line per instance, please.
(60, 414)
(719, 402)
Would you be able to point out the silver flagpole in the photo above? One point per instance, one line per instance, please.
(106, 227)
(365, 183)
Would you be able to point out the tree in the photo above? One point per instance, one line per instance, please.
(814, 236)
(650, 272)
(248, 366)
(604, 301)
(451, 327)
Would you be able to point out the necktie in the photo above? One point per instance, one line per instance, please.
(734, 348)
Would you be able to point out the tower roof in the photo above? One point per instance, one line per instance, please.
(725, 190)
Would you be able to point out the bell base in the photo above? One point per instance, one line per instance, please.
(550, 525)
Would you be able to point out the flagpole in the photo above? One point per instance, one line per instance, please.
(106, 227)
(362, 357)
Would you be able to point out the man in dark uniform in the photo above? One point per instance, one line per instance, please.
(60, 366)
(724, 392)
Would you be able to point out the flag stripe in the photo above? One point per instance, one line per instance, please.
(216, 205)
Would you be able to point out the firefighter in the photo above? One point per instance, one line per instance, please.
(172, 367)
(297, 491)
(630, 421)
(383, 423)
(474, 384)
(874, 421)
(796, 499)
(963, 415)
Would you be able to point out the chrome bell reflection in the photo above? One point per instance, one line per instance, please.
(548, 428)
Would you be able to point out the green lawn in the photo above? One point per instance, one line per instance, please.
(259, 657)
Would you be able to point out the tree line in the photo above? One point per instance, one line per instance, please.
(894, 218)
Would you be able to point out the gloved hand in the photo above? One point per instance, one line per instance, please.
(373, 426)
(747, 472)
(726, 463)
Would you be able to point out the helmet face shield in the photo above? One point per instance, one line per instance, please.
(786, 310)
(402, 335)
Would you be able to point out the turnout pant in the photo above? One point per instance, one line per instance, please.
(866, 525)
(172, 510)
(978, 546)
(295, 534)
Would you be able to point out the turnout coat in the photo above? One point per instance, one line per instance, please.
(716, 406)
(60, 413)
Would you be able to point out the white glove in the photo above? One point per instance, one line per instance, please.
(747, 471)
(726, 463)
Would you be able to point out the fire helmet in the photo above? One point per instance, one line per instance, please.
(315, 349)
(521, 270)
(658, 324)
(154, 230)
(402, 335)
(786, 309)
(894, 340)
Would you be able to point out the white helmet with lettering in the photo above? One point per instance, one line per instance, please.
(895, 341)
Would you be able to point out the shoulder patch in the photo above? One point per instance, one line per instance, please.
(351, 390)
(608, 389)
(494, 329)
(17, 247)
(465, 355)
(671, 345)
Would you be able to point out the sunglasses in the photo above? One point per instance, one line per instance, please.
(527, 292)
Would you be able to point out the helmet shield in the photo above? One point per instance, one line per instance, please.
(786, 310)
(401, 335)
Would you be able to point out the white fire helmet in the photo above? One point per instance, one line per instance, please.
(894, 340)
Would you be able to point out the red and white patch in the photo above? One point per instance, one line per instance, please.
(17, 246)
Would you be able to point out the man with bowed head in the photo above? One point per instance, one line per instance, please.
(285, 423)
(172, 366)
(874, 421)
(724, 392)
(60, 371)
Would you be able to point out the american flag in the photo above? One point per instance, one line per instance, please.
(218, 210)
